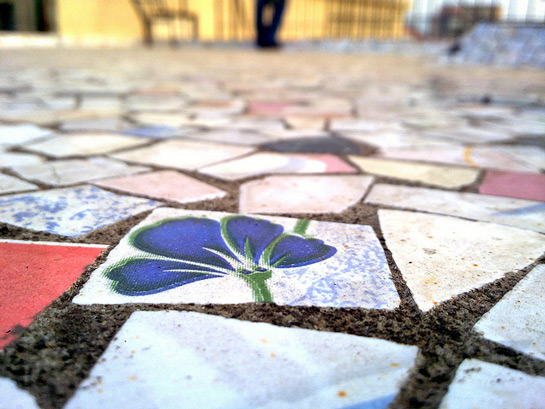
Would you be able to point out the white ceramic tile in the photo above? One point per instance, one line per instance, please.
(11, 159)
(172, 359)
(12, 397)
(515, 158)
(443, 176)
(235, 137)
(72, 171)
(84, 144)
(471, 135)
(188, 155)
(263, 163)
(313, 263)
(18, 134)
(395, 140)
(161, 118)
(69, 211)
(441, 256)
(479, 384)
(303, 194)
(525, 214)
(363, 125)
(518, 320)
(93, 123)
(164, 185)
(9, 184)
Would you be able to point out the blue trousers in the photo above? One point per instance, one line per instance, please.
(266, 34)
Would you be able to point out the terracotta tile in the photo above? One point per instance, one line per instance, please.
(518, 320)
(441, 257)
(520, 185)
(159, 359)
(330, 264)
(188, 155)
(69, 211)
(32, 275)
(263, 163)
(524, 214)
(479, 384)
(303, 194)
(164, 185)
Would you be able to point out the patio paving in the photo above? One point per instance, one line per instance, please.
(209, 228)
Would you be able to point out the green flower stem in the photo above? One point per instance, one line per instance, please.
(301, 226)
(257, 282)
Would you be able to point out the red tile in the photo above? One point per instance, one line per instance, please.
(514, 184)
(32, 275)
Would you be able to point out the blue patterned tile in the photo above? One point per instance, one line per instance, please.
(71, 211)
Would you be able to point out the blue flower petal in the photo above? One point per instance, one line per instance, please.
(190, 239)
(296, 251)
(249, 236)
(147, 276)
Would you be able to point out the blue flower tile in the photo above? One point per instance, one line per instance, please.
(206, 257)
(70, 211)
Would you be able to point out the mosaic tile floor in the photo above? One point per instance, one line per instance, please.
(231, 229)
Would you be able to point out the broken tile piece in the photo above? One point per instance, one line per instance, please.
(518, 320)
(18, 398)
(70, 211)
(157, 132)
(18, 134)
(313, 263)
(363, 125)
(9, 184)
(263, 163)
(395, 140)
(441, 257)
(69, 172)
(303, 194)
(32, 275)
(84, 144)
(162, 358)
(233, 136)
(524, 214)
(188, 155)
(520, 185)
(480, 384)
(164, 185)
(10, 159)
(437, 175)
(94, 123)
(515, 158)
(316, 145)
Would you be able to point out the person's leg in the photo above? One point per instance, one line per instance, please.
(279, 6)
(260, 26)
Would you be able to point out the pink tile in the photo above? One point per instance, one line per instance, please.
(514, 184)
(166, 185)
(333, 164)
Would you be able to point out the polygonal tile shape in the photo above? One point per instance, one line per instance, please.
(524, 214)
(177, 358)
(233, 136)
(479, 384)
(183, 256)
(395, 140)
(17, 398)
(161, 119)
(11, 159)
(471, 135)
(441, 257)
(515, 158)
(9, 184)
(363, 125)
(520, 185)
(305, 122)
(443, 176)
(69, 211)
(18, 134)
(518, 320)
(84, 144)
(164, 185)
(73, 171)
(96, 124)
(316, 145)
(32, 275)
(263, 163)
(188, 155)
(157, 132)
(303, 194)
